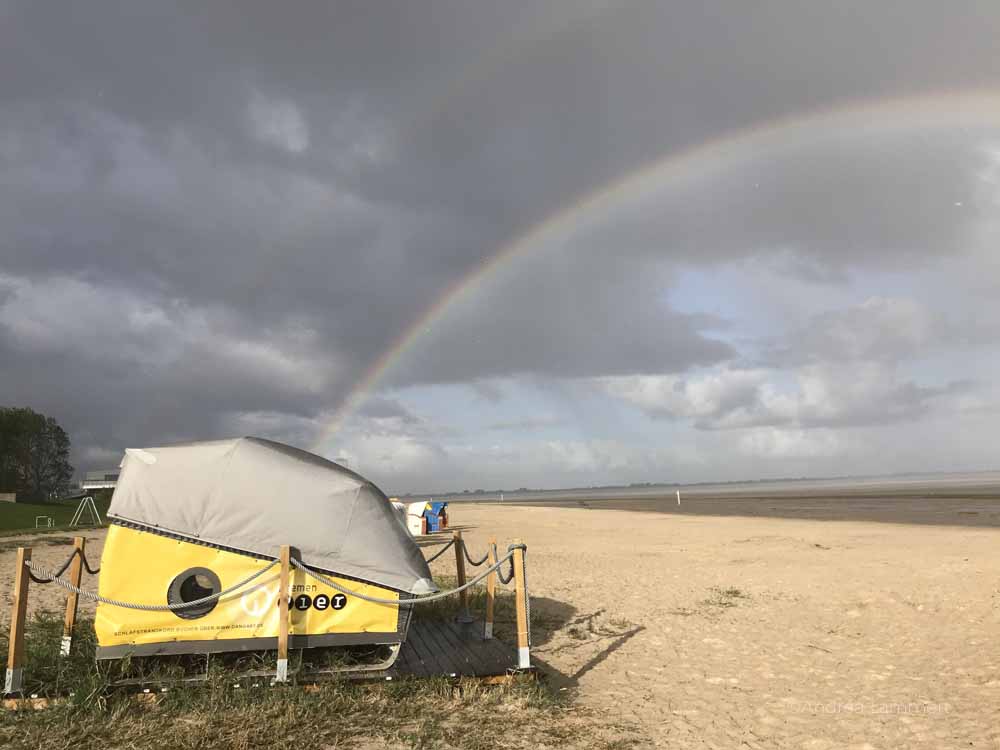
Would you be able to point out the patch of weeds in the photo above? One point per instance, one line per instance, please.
(683, 612)
(724, 597)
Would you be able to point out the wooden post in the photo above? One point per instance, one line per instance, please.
(283, 621)
(72, 599)
(521, 601)
(491, 589)
(15, 653)
(463, 615)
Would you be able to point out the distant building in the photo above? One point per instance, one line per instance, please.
(100, 480)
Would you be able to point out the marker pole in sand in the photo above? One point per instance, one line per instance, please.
(678, 497)
(521, 600)
(283, 594)
(491, 589)
(72, 599)
(15, 652)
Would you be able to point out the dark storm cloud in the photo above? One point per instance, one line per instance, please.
(564, 314)
(850, 200)
(288, 186)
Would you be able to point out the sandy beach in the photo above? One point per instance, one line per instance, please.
(715, 631)
(766, 632)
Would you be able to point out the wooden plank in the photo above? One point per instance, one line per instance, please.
(72, 598)
(498, 654)
(425, 653)
(31, 704)
(457, 654)
(402, 665)
(15, 652)
(460, 571)
(283, 620)
(503, 654)
(466, 650)
(468, 642)
(414, 657)
(443, 659)
(410, 662)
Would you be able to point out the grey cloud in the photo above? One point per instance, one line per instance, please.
(847, 202)
(490, 391)
(878, 329)
(820, 396)
(567, 315)
(123, 370)
(528, 424)
(840, 368)
(394, 158)
(387, 408)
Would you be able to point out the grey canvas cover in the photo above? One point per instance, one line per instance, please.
(255, 495)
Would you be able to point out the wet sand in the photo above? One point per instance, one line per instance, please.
(951, 511)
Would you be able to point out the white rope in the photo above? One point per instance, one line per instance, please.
(406, 602)
(91, 596)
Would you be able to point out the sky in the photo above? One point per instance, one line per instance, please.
(482, 245)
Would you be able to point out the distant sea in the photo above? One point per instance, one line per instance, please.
(967, 484)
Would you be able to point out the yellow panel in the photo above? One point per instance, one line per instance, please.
(138, 566)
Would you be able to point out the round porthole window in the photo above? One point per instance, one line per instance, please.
(190, 586)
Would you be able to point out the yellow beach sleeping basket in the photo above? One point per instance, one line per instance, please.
(193, 520)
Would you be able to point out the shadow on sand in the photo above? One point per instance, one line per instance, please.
(588, 631)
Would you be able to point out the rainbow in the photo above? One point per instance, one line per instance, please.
(970, 109)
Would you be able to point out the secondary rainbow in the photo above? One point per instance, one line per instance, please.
(977, 110)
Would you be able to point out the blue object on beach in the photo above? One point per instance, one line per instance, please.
(436, 514)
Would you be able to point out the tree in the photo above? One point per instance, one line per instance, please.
(34, 454)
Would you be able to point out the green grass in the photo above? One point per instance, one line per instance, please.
(18, 517)
(504, 610)
(410, 713)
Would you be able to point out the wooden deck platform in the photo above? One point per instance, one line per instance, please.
(438, 648)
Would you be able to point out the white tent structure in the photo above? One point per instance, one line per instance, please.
(254, 495)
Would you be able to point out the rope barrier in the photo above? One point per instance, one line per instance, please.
(472, 562)
(56, 578)
(500, 575)
(527, 595)
(91, 596)
(63, 569)
(440, 552)
(86, 564)
(407, 602)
